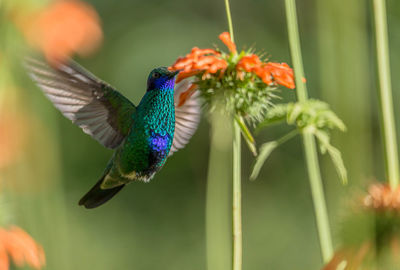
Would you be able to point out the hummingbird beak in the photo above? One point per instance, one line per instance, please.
(173, 74)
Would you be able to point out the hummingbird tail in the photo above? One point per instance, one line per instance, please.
(97, 196)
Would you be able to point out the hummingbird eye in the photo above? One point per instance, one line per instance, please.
(156, 75)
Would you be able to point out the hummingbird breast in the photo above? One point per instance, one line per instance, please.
(147, 146)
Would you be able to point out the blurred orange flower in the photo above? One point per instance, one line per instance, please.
(63, 28)
(12, 136)
(21, 248)
(350, 258)
(382, 197)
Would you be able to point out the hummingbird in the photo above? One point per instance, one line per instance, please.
(142, 136)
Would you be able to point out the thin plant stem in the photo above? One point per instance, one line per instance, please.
(308, 139)
(236, 189)
(229, 17)
(389, 129)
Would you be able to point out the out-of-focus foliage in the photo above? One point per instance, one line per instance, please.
(369, 231)
(314, 117)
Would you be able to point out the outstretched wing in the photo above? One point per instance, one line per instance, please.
(187, 115)
(90, 103)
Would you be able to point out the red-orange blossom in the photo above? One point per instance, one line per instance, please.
(209, 61)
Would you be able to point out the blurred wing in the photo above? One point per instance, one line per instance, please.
(187, 116)
(90, 103)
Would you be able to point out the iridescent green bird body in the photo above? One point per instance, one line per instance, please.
(143, 137)
(148, 143)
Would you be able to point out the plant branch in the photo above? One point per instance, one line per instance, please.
(308, 139)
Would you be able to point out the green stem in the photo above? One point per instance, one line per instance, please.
(308, 139)
(317, 193)
(228, 16)
(237, 192)
(237, 201)
(389, 129)
(218, 204)
(287, 137)
(266, 149)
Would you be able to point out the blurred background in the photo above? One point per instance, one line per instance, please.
(47, 163)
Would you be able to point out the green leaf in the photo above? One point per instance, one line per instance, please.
(295, 112)
(248, 137)
(334, 153)
(275, 114)
(265, 150)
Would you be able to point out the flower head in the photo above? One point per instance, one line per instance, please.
(21, 248)
(63, 28)
(369, 232)
(382, 197)
(242, 80)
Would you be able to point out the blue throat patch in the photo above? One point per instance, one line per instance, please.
(162, 83)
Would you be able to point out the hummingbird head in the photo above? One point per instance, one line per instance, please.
(161, 79)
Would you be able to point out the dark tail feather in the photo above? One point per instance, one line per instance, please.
(97, 196)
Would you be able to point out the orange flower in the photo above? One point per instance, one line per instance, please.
(269, 73)
(225, 37)
(63, 28)
(210, 61)
(197, 61)
(382, 197)
(21, 248)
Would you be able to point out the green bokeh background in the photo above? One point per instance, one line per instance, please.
(161, 225)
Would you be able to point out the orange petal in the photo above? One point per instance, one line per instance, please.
(187, 94)
(14, 248)
(240, 75)
(282, 74)
(182, 63)
(264, 75)
(34, 254)
(22, 248)
(221, 64)
(248, 63)
(4, 261)
(205, 75)
(205, 60)
(183, 75)
(225, 37)
(199, 52)
(213, 68)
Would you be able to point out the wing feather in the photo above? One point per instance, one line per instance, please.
(97, 108)
(187, 116)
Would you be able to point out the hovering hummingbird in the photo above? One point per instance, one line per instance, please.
(143, 136)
